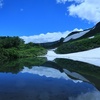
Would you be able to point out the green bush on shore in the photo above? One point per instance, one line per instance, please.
(14, 47)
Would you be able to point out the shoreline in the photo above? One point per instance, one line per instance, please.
(90, 56)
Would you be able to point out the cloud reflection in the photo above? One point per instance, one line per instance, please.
(48, 72)
(87, 96)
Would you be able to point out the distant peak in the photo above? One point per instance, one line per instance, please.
(98, 24)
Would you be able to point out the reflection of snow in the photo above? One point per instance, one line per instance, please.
(48, 72)
(87, 96)
(75, 36)
(91, 56)
(75, 75)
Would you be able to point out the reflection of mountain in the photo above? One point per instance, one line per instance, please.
(77, 70)
(94, 80)
(75, 75)
(26, 86)
(52, 65)
(82, 71)
(88, 71)
(80, 67)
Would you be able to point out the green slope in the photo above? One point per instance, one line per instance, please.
(79, 45)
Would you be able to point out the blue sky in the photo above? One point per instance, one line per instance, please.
(41, 17)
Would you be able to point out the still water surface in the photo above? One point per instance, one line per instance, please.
(39, 79)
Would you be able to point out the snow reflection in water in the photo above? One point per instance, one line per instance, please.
(44, 83)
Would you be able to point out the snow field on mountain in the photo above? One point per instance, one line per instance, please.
(75, 36)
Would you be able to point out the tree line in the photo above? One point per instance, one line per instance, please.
(14, 47)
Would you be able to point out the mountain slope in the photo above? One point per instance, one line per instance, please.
(83, 34)
(50, 45)
(79, 45)
(73, 37)
(81, 41)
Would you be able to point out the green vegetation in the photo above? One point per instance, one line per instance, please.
(79, 67)
(15, 66)
(79, 45)
(14, 47)
(90, 72)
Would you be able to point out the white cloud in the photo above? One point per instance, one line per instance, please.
(64, 1)
(48, 37)
(84, 9)
(1, 3)
(61, 1)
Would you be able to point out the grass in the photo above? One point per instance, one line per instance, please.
(79, 45)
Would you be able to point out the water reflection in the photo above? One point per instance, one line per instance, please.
(87, 96)
(17, 65)
(48, 72)
(75, 75)
(88, 71)
(45, 71)
(39, 79)
(25, 86)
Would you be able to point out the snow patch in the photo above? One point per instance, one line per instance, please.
(75, 36)
(91, 37)
(75, 75)
(90, 56)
